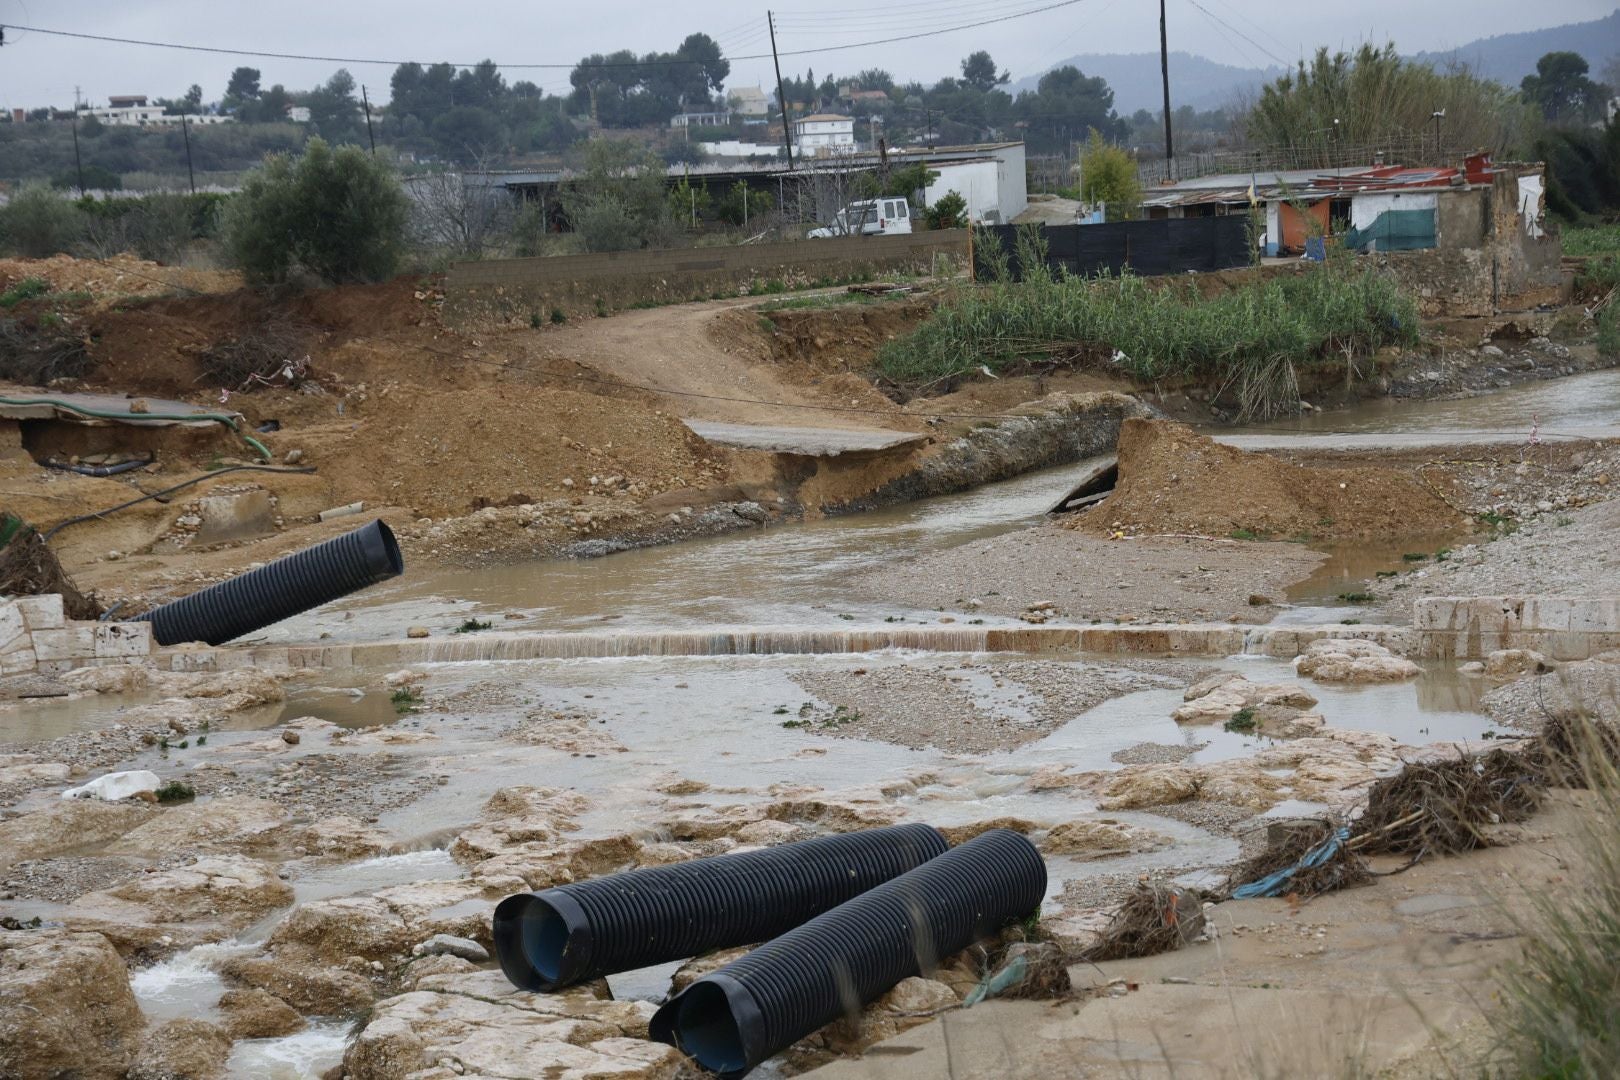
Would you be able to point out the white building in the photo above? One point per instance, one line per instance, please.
(298, 114)
(748, 101)
(993, 184)
(133, 111)
(700, 119)
(824, 133)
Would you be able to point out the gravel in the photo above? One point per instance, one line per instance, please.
(1091, 578)
(971, 706)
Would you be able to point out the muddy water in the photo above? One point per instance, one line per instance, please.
(1580, 406)
(788, 575)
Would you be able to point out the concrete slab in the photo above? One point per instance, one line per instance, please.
(31, 405)
(1407, 440)
(811, 442)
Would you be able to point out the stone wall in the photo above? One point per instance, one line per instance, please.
(513, 290)
(1559, 627)
(36, 637)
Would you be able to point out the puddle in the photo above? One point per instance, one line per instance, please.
(345, 707)
(306, 1055)
(39, 719)
(1349, 567)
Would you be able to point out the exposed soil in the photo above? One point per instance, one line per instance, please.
(1173, 480)
(117, 278)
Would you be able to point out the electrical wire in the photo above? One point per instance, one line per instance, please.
(1238, 32)
(59, 526)
(843, 47)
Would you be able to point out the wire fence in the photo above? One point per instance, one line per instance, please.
(1412, 149)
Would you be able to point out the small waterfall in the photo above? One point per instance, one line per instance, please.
(743, 641)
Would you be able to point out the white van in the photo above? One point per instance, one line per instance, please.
(869, 217)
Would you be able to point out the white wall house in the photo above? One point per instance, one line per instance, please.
(824, 133)
(133, 111)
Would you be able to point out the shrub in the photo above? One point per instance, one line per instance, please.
(337, 214)
(950, 212)
(26, 289)
(38, 223)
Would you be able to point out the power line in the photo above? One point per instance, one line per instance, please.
(1238, 32)
(259, 54)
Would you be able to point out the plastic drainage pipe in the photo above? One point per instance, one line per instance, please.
(286, 587)
(732, 1019)
(555, 938)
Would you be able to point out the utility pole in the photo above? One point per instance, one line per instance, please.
(781, 97)
(185, 133)
(1164, 67)
(369, 133)
(78, 166)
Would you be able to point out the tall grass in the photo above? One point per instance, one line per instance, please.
(1250, 340)
(1592, 240)
(1562, 1015)
(1608, 331)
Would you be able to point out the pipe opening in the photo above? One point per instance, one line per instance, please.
(390, 548)
(544, 937)
(706, 1029)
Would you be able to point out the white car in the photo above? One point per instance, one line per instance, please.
(869, 217)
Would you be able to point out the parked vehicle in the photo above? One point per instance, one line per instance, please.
(868, 217)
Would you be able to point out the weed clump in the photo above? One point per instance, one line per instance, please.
(1249, 341)
(175, 791)
(472, 626)
(406, 700)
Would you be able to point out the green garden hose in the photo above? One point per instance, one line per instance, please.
(100, 414)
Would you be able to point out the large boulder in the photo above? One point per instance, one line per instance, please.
(1100, 838)
(183, 1049)
(207, 900)
(1348, 660)
(310, 984)
(1214, 700)
(66, 826)
(1139, 786)
(387, 924)
(236, 824)
(66, 1009)
(488, 1028)
(253, 1014)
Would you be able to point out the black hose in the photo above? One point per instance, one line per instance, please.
(97, 470)
(552, 939)
(60, 525)
(286, 587)
(732, 1019)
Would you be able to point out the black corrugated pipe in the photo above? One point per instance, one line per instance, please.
(552, 939)
(296, 583)
(733, 1019)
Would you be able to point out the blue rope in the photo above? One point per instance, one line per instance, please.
(1273, 884)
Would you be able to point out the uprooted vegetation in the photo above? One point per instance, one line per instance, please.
(38, 354)
(28, 567)
(1250, 342)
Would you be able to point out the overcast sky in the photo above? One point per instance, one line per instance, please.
(39, 70)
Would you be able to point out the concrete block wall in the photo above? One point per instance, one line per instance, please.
(1559, 627)
(510, 290)
(37, 637)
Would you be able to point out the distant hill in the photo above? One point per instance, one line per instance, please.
(1205, 84)
(1135, 79)
(1508, 58)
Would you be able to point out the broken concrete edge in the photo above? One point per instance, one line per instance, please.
(35, 637)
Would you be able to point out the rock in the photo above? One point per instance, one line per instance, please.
(384, 925)
(417, 632)
(911, 1002)
(961, 834)
(207, 900)
(403, 677)
(182, 1050)
(290, 737)
(66, 1009)
(1353, 661)
(1473, 667)
(1100, 839)
(769, 833)
(311, 985)
(293, 456)
(1215, 699)
(35, 772)
(65, 826)
(694, 969)
(450, 945)
(254, 1014)
(116, 785)
(1137, 786)
(421, 968)
(1259, 600)
(118, 679)
(236, 823)
(1516, 663)
(488, 1028)
(343, 837)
